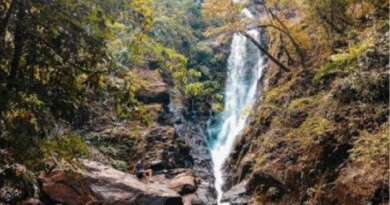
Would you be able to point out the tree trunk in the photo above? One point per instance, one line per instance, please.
(18, 42)
(290, 59)
(262, 49)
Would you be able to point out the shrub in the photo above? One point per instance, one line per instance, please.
(343, 63)
(120, 165)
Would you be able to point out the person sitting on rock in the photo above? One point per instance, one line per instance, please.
(140, 172)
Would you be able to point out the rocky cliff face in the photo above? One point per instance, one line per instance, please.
(317, 142)
(173, 147)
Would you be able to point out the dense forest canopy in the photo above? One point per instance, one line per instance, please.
(60, 55)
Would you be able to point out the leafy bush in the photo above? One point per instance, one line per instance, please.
(332, 68)
(120, 165)
(343, 63)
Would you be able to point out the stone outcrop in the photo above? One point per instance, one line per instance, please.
(183, 184)
(101, 184)
(193, 189)
(155, 89)
(237, 195)
(169, 143)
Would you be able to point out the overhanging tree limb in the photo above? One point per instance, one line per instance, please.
(262, 49)
(286, 31)
(298, 50)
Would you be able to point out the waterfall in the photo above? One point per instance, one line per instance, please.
(245, 67)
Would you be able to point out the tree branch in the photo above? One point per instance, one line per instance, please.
(286, 31)
(262, 49)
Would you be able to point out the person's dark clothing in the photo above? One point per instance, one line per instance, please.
(140, 168)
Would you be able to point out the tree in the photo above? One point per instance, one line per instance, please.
(55, 54)
(230, 14)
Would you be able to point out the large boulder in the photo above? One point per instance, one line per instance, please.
(237, 195)
(155, 90)
(193, 189)
(101, 184)
(162, 149)
(183, 183)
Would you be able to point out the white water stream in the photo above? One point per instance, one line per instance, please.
(245, 67)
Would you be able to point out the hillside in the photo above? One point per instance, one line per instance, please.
(319, 135)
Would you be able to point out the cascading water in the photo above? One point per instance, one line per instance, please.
(245, 67)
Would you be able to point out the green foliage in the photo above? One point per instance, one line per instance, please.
(127, 105)
(218, 105)
(371, 148)
(343, 62)
(273, 192)
(120, 165)
(177, 24)
(300, 104)
(331, 68)
(60, 55)
(313, 130)
(66, 148)
(18, 181)
(24, 118)
(194, 89)
(277, 94)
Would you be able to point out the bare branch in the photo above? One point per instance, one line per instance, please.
(262, 49)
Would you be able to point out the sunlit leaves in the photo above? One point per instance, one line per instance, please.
(66, 148)
(69, 51)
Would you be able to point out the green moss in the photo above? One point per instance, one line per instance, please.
(331, 68)
(272, 106)
(371, 148)
(265, 111)
(276, 122)
(276, 94)
(300, 104)
(313, 129)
